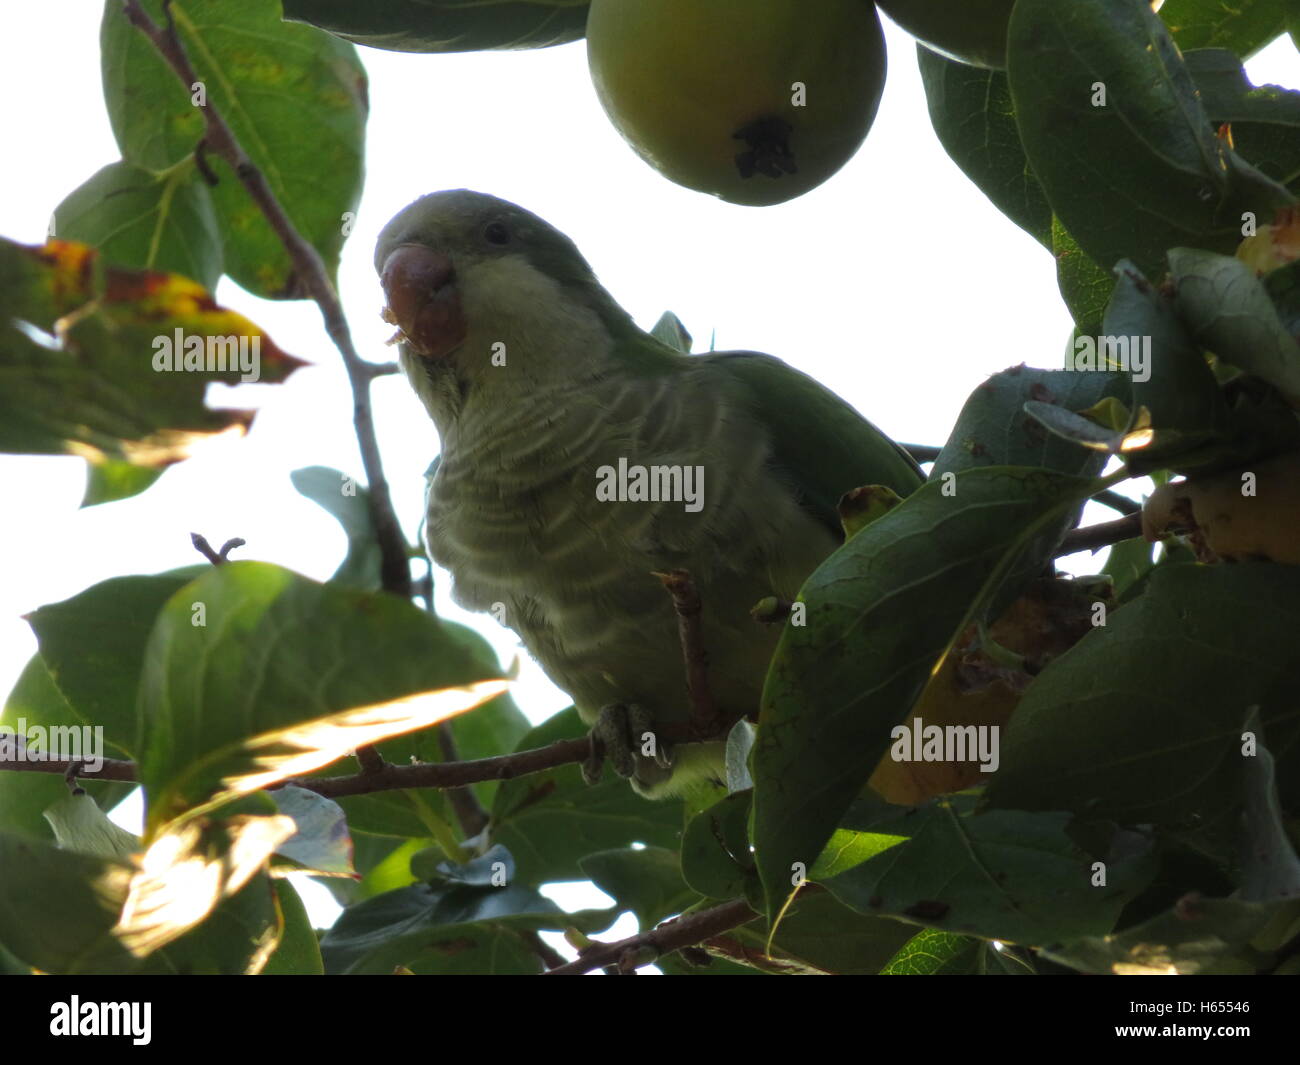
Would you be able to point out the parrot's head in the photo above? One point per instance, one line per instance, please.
(476, 284)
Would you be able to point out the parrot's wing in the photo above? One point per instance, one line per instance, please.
(820, 443)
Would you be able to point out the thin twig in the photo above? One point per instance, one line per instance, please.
(1095, 537)
(381, 369)
(686, 602)
(645, 947)
(311, 276)
(469, 811)
(922, 452)
(204, 548)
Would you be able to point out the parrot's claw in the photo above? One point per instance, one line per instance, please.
(623, 734)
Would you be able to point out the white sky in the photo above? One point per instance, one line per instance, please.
(896, 283)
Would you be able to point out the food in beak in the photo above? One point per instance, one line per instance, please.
(423, 300)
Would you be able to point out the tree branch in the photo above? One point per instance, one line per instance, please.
(386, 776)
(311, 275)
(1094, 537)
(110, 769)
(645, 947)
(1117, 501)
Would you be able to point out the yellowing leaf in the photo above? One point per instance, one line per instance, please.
(303, 748)
(114, 364)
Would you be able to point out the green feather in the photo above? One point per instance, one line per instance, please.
(822, 446)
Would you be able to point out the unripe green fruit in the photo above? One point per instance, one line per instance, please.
(970, 31)
(755, 101)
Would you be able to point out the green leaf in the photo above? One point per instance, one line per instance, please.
(37, 702)
(1128, 562)
(847, 848)
(820, 934)
(446, 25)
(492, 868)
(1085, 286)
(1244, 26)
(715, 855)
(973, 31)
(347, 501)
(1265, 120)
(1202, 936)
(1270, 868)
(934, 953)
(294, 98)
(251, 649)
(58, 908)
(112, 480)
(880, 613)
(551, 820)
(383, 862)
(322, 842)
(1283, 287)
(80, 825)
(993, 429)
(94, 645)
(1005, 874)
(1229, 311)
(740, 741)
(1164, 686)
(1076, 428)
(444, 928)
(647, 881)
(1171, 379)
(971, 111)
(234, 939)
(147, 221)
(298, 953)
(1168, 179)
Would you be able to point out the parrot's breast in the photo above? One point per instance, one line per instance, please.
(544, 519)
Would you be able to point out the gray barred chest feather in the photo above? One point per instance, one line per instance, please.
(515, 516)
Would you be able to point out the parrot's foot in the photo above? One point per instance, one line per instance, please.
(624, 735)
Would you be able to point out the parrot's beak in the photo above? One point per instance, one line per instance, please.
(423, 300)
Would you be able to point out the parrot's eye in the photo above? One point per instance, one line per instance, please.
(496, 233)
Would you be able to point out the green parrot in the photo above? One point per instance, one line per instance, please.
(581, 456)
